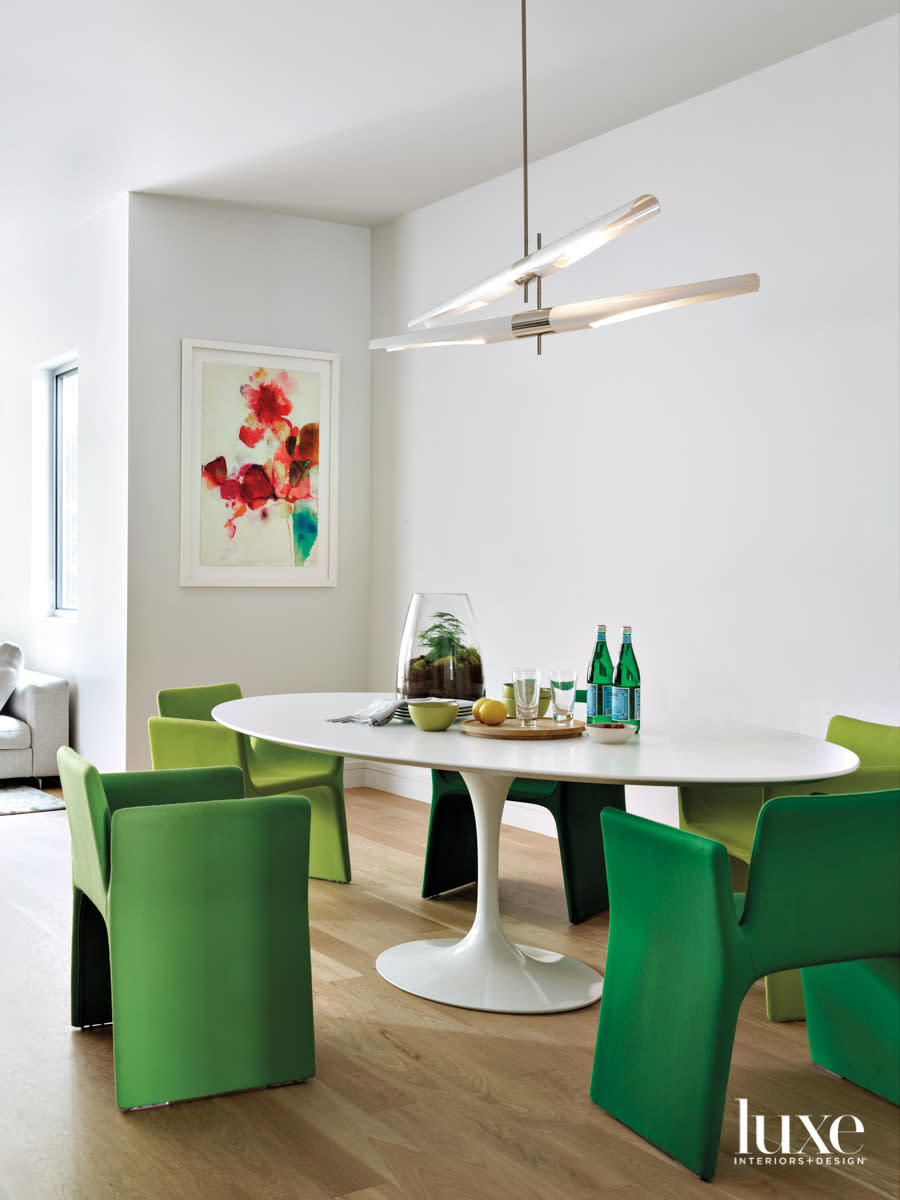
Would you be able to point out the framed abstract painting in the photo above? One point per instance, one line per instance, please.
(258, 466)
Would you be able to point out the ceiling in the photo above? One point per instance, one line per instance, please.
(353, 110)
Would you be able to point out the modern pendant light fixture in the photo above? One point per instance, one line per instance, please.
(438, 326)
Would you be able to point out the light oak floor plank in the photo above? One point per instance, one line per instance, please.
(411, 1100)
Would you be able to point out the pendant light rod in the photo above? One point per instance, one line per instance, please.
(525, 140)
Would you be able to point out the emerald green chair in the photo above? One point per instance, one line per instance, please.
(190, 929)
(728, 812)
(823, 888)
(451, 854)
(186, 735)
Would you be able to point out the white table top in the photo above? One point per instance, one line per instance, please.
(706, 751)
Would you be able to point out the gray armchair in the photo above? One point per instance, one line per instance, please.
(34, 723)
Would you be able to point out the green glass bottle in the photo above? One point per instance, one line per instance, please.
(625, 694)
(599, 679)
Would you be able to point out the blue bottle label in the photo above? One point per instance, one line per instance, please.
(607, 700)
(592, 700)
(619, 704)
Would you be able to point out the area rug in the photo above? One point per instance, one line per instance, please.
(26, 800)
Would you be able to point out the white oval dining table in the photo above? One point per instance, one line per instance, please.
(485, 970)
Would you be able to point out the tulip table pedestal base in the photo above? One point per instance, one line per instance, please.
(484, 970)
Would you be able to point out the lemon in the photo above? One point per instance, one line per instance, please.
(492, 712)
(478, 705)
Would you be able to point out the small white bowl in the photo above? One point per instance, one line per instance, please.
(611, 734)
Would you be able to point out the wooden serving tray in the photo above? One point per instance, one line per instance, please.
(546, 728)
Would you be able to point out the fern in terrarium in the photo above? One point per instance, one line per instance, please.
(444, 637)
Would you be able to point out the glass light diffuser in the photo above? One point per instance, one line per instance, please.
(540, 263)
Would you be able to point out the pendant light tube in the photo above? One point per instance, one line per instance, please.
(540, 263)
(565, 318)
(640, 304)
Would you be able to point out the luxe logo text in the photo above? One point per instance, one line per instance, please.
(798, 1140)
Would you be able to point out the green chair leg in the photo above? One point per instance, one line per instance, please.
(451, 852)
(329, 845)
(670, 1004)
(577, 813)
(91, 1002)
(784, 996)
(853, 1022)
(784, 990)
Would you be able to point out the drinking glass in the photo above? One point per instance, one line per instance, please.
(527, 690)
(562, 694)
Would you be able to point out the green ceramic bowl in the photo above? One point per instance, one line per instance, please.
(509, 699)
(433, 715)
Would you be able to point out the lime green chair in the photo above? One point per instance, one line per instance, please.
(823, 888)
(451, 853)
(190, 929)
(728, 812)
(186, 735)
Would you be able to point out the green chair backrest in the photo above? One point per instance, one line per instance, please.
(876, 745)
(195, 703)
(89, 818)
(823, 883)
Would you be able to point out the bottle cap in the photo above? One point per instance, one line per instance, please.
(601, 629)
(626, 629)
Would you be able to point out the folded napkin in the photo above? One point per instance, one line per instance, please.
(379, 712)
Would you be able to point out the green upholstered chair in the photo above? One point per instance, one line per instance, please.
(186, 735)
(823, 888)
(451, 857)
(728, 813)
(190, 929)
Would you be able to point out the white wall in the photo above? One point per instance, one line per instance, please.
(723, 477)
(70, 295)
(239, 275)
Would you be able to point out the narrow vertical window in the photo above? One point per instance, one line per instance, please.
(64, 506)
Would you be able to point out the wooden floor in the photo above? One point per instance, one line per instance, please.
(412, 1100)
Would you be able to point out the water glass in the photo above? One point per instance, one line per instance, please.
(562, 694)
(527, 690)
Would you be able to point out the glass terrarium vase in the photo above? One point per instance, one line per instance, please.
(439, 654)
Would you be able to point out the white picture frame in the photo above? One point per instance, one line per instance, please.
(259, 466)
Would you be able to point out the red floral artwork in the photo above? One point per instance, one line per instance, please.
(285, 477)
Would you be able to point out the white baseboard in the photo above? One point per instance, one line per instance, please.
(355, 772)
(657, 803)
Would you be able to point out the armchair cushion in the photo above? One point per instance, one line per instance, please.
(14, 735)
